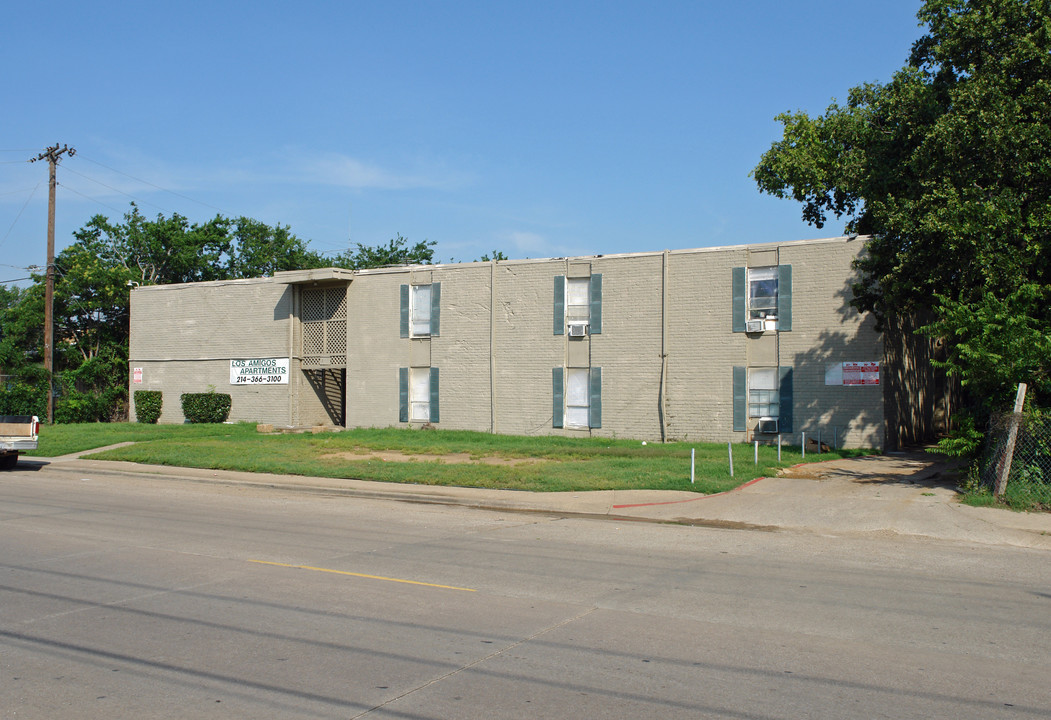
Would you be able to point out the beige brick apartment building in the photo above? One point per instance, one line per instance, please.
(733, 343)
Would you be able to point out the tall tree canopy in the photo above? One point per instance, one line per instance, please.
(949, 166)
(92, 301)
(396, 252)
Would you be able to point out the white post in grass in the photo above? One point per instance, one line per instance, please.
(802, 443)
(730, 452)
(779, 448)
(1004, 469)
(756, 452)
(693, 452)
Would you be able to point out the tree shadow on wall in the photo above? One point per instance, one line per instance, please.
(914, 399)
(833, 413)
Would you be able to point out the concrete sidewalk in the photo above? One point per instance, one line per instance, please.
(908, 494)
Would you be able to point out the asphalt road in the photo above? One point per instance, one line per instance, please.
(128, 597)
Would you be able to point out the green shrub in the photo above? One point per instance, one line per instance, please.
(964, 441)
(148, 406)
(75, 405)
(21, 398)
(209, 407)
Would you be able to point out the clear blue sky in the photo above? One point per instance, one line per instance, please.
(535, 128)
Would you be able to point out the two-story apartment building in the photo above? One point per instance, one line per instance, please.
(732, 343)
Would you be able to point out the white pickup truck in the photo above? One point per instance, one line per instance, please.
(17, 433)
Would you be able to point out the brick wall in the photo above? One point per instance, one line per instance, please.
(496, 347)
(184, 336)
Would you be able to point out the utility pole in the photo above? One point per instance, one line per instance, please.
(52, 155)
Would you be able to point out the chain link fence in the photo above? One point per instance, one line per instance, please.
(1024, 459)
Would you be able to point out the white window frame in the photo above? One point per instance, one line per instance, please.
(764, 395)
(578, 299)
(420, 310)
(420, 394)
(762, 307)
(578, 398)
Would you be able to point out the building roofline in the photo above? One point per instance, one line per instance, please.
(647, 253)
(334, 274)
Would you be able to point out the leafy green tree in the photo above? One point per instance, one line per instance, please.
(495, 256)
(949, 166)
(396, 252)
(257, 250)
(164, 250)
(92, 304)
(21, 327)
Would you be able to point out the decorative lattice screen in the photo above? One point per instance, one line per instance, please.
(324, 316)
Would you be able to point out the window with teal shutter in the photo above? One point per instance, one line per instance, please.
(405, 311)
(436, 307)
(595, 410)
(740, 398)
(784, 420)
(434, 395)
(595, 321)
(557, 394)
(560, 305)
(403, 394)
(738, 299)
(784, 297)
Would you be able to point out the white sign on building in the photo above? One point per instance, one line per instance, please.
(259, 371)
(852, 373)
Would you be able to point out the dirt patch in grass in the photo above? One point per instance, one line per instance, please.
(450, 458)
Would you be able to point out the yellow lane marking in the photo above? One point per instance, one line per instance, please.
(362, 575)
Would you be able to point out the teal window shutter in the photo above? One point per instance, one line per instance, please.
(739, 314)
(405, 311)
(740, 398)
(434, 395)
(560, 306)
(403, 394)
(436, 308)
(784, 297)
(595, 321)
(595, 400)
(784, 417)
(557, 390)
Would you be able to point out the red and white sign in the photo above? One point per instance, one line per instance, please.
(861, 373)
(136, 376)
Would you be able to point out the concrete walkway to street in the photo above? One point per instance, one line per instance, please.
(906, 494)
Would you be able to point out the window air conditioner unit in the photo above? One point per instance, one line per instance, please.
(578, 329)
(768, 425)
(755, 326)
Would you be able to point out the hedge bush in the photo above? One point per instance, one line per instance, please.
(148, 406)
(20, 398)
(209, 407)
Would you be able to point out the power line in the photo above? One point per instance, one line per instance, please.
(8, 233)
(16, 192)
(146, 182)
(88, 197)
(110, 187)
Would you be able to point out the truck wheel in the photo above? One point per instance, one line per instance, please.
(8, 462)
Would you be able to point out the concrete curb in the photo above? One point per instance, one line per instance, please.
(873, 495)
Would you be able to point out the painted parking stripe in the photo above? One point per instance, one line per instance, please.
(362, 575)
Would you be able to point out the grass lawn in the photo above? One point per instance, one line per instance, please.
(1018, 496)
(431, 457)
